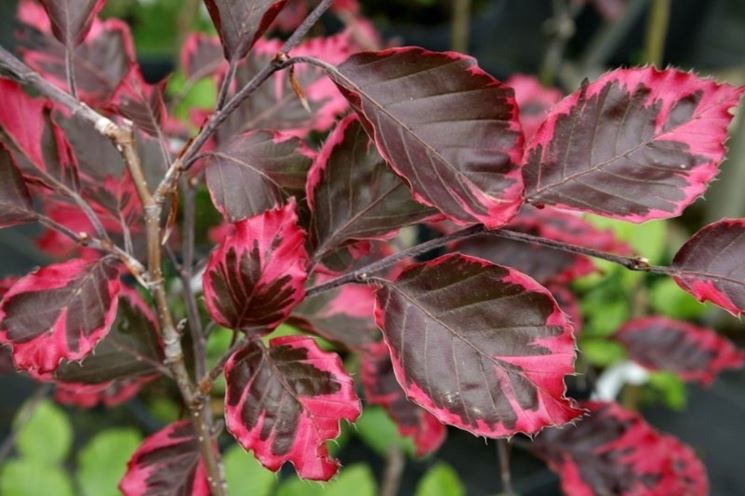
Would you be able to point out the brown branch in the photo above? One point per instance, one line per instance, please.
(460, 25)
(70, 71)
(659, 19)
(205, 384)
(394, 470)
(503, 453)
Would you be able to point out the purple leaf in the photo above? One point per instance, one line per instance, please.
(241, 23)
(108, 394)
(257, 274)
(482, 347)
(59, 312)
(255, 172)
(353, 195)
(71, 19)
(614, 451)
(130, 349)
(444, 125)
(534, 101)
(141, 103)
(167, 463)
(15, 199)
(200, 56)
(637, 144)
(381, 388)
(100, 63)
(693, 353)
(711, 265)
(285, 402)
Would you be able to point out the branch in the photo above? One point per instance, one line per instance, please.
(503, 453)
(659, 19)
(205, 385)
(70, 71)
(460, 25)
(394, 469)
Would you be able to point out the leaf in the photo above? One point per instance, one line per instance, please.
(23, 477)
(381, 388)
(285, 402)
(481, 347)
(343, 316)
(568, 303)
(59, 312)
(21, 122)
(440, 480)
(15, 199)
(200, 56)
(694, 353)
(614, 451)
(102, 462)
(141, 103)
(245, 475)
(637, 144)
(257, 275)
(108, 394)
(353, 195)
(534, 101)
(100, 63)
(131, 348)
(168, 462)
(275, 105)
(71, 19)
(426, 112)
(544, 264)
(241, 24)
(47, 436)
(255, 172)
(356, 479)
(711, 265)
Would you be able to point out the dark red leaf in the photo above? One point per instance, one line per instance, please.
(711, 265)
(100, 63)
(343, 316)
(257, 274)
(72, 19)
(381, 388)
(107, 393)
(637, 144)
(569, 305)
(353, 195)
(482, 347)
(167, 463)
(275, 105)
(15, 200)
(534, 101)
(200, 56)
(285, 403)
(614, 451)
(59, 312)
(241, 24)
(444, 125)
(546, 265)
(255, 172)
(21, 121)
(132, 348)
(694, 353)
(141, 103)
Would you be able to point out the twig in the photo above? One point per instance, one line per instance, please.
(394, 469)
(460, 25)
(22, 418)
(659, 19)
(560, 29)
(503, 453)
(222, 95)
(205, 384)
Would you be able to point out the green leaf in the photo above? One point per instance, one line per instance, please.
(379, 432)
(245, 475)
(47, 436)
(27, 477)
(667, 298)
(355, 480)
(440, 480)
(670, 387)
(103, 461)
(601, 352)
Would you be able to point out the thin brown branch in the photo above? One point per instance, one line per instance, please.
(205, 384)
(222, 95)
(460, 25)
(659, 19)
(503, 453)
(394, 470)
(70, 71)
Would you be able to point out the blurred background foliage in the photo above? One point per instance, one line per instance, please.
(60, 451)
